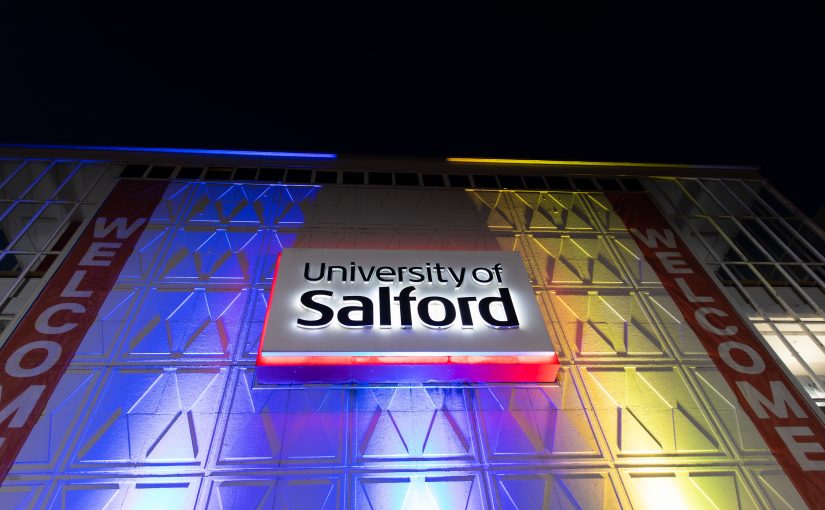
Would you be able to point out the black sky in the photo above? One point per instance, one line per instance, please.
(732, 86)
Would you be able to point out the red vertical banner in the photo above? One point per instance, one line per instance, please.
(791, 428)
(40, 349)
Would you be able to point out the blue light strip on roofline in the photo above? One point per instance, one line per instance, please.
(205, 152)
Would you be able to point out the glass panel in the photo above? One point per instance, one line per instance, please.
(81, 183)
(818, 271)
(18, 218)
(796, 300)
(9, 265)
(728, 276)
(7, 168)
(772, 274)
(772, 200)
(817, 295)
(800, 274)
(799, 344)
(15, 187)
(788, 232)
(749, 250)
(814, 237)
(706, 201)
(743, 193)
(714, 240)
(765, 240)
(675, 201)
(19, 293)
(765, 301)
(101, 188)
(813, 386)
(4, 207)
(743, 274)
(51, 181)
(727, 202)
(41, 233)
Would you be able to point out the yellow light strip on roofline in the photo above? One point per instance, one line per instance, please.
(552, 162)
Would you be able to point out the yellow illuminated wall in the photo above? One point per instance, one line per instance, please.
(666, 429)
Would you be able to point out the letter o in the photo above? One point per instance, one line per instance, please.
(426, 318)
(53, 351)
(758, 365)
(479, 280)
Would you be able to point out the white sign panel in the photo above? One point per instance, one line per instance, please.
(333, 303)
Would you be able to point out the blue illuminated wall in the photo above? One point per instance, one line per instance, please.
(159, 408)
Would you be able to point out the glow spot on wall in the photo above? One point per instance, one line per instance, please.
(659, 492)
(418, 497)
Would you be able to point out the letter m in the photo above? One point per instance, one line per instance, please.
(781, 399)
(122, 230)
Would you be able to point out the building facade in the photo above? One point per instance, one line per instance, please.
(157, 405)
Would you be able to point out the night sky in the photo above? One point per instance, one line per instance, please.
(736, 86)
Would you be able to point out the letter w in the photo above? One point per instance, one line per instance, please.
(119, 225)
(652, 236)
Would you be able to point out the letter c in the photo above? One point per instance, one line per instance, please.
(42, 322)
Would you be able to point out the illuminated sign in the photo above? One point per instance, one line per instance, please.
(385, 315)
